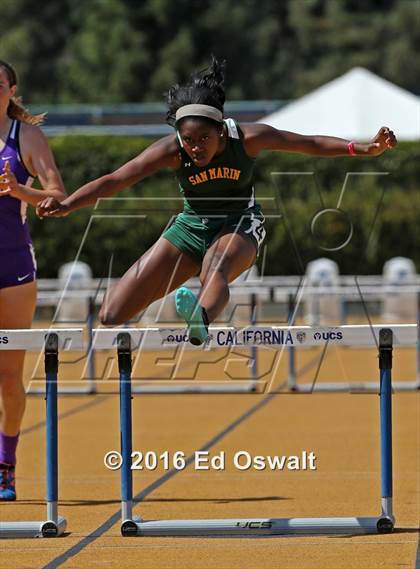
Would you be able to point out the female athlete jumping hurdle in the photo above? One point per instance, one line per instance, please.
(221, 228)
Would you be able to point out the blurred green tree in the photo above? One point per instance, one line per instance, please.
(116, 51)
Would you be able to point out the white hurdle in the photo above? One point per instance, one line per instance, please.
(384, 338)
(50, 342)
(359, 386)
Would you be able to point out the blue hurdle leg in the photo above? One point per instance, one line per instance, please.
(291, 317)
(418, 340)
(91, 347)
(54, 525)
(253, 322)
(385, 366)
(124, 365)
(291, 376)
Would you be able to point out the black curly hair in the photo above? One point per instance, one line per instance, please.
(204, 87)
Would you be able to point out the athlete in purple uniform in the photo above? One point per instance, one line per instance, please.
(24, 155)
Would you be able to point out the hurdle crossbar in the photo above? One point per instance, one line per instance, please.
(251, 337)
(383, 338)
(35, 340)
(260, 336)
(50, 341)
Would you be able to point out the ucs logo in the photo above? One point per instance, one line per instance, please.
(177, 338)
(254, 525)
(328, 336)
(180, 338)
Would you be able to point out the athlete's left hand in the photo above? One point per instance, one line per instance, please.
(8, 183)
(384, 140)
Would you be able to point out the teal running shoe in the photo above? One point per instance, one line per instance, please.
(7, 483)
(189, 309)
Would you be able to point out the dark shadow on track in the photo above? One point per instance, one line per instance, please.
(75, 503)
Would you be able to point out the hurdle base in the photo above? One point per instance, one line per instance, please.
(257, 526)
(195, 387)
(86, 390)
(49, 528)
(356, 387)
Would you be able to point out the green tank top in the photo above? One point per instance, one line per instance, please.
(224, 185)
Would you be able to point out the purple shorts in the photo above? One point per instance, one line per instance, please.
(17, 266)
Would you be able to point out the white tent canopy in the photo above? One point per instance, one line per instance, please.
(353, 106)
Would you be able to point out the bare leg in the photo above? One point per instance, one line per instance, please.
(162, 269)
(11, 362)
(229, 256)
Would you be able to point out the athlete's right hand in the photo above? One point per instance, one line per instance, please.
(50, 207)
(8, 182)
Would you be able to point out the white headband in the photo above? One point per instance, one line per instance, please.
(197, 110)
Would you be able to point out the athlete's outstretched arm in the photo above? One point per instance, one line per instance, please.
(259, 137)
(160, 154)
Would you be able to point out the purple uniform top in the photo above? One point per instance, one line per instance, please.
(14, 231)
